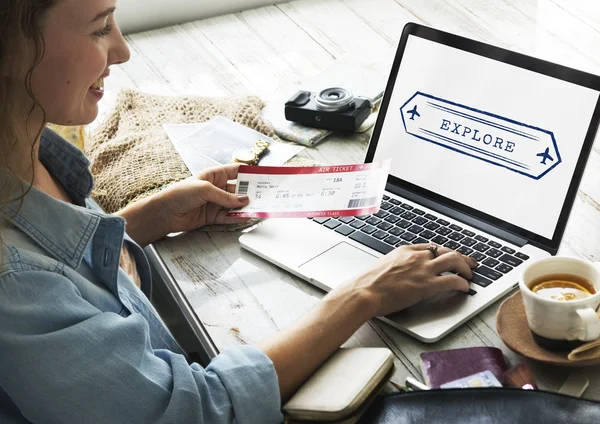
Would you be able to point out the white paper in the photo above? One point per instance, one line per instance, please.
(213, 143)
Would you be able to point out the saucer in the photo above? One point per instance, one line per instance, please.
(511, 324)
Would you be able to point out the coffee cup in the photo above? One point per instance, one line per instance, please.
(561, 297)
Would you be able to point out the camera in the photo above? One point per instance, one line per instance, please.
(333, 109)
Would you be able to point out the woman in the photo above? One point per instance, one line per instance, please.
(79, 340)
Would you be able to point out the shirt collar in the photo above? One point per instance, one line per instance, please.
(62, 229)
(67, 164)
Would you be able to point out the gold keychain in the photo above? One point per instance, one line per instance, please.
(252, 156)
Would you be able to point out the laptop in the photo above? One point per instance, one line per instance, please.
(488, 147)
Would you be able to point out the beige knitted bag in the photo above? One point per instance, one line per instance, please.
(131, 154)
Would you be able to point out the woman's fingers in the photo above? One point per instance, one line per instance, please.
(452, 261)
(215, 195)
(444, 283)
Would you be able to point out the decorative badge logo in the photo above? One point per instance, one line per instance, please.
(513, 145)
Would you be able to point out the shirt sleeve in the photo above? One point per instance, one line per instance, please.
(65, 361)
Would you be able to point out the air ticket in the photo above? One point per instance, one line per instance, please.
(320, 191)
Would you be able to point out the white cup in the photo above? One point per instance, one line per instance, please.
(561, 325)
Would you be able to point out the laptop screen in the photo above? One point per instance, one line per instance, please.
(501, 139)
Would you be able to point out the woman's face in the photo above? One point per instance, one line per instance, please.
(82, 41)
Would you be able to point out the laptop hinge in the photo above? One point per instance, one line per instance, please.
(459, 216)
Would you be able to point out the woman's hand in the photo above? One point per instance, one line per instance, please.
(410, 274)
(184, 206)
(201, 200)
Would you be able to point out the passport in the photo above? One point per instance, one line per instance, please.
(443, 366)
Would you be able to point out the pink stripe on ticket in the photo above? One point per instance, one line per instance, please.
(306, 214)
(295, 170)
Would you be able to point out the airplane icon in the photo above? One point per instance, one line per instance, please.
(545, 155)
(413, 112)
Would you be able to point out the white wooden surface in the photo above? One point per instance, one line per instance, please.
(269, 51)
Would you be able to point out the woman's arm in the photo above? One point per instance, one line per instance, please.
(398, 280)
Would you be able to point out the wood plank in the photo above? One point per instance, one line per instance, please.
(386, 17)
(334, 26)
(450, 16)
(287, 40)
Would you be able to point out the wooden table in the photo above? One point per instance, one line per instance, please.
(240, 298)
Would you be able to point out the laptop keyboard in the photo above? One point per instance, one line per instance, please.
(400, 224)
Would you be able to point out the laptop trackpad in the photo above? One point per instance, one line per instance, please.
(337, 265)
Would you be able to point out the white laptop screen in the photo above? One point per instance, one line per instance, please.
(492, 136)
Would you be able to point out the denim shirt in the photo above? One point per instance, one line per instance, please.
(79, 342)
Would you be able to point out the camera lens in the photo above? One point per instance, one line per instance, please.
(334, 99)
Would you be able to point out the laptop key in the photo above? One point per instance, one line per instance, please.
(408, 236)
(369, 229)
(385, 226)
(332, 223)
(344, 230)
(419, 220)
(386, 206)
(397, 210)
(494, 244)
(464, 250)
(455, 227)
(456, 236)
(392, 219)
(381, 214)
(363, 217)
(522, 256)
(452, 245)
(395, 202)
(396, 231)
(392, 240)
(491, 262)
(504, 269)
(508, 250)
(357, 224)
(468, 233)
(386, 197)
(430, 217)
(511, 260)
(432, 226)
(369, 241)
(468, 241)
(480, 280)
(439, 240)
(472, 292)
(346, 219)
(374, 220)
(403, 224)
(427, 234)
(443, 222)
(320, 220)
(480, 247)
(494, 253)
(380, 235)
(402, 243)
(407, 206)
(481, 239)
(420, 240)
(487, 272)
(408, 215)
(415, 229)
(443, 231)
(418, 212)
(478, 256)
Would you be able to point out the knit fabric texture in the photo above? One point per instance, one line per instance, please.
(132, 156)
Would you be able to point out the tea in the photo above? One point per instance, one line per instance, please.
(563, 287)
